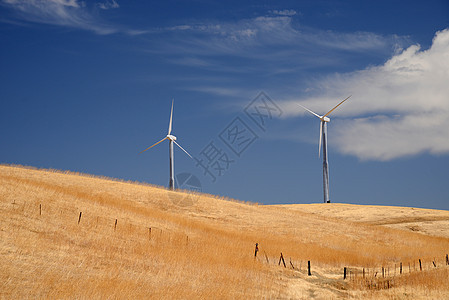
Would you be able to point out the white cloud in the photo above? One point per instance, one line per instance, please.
(285, 12)
(255, 37)
(69, 13)
(263, 49)
(399, 109)
(108, 4)
(221, 91)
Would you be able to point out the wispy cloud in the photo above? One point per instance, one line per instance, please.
(68, 13)
(259, 51)
(284, 12)
(399, 109)
(272, 38)
(108, 4)
(220, 91)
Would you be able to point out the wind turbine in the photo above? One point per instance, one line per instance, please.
(323, 139)
(171, 139)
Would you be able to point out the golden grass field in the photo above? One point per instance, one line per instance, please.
(138, 241)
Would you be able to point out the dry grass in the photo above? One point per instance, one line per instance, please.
(200, 246)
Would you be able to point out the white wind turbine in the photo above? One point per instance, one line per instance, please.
(171, 139)
(323, 139)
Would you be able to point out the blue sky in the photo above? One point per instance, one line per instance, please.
(87, 85)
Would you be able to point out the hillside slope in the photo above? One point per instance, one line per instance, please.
(65, 235)
(426, 221)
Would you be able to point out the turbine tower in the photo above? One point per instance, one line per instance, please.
(323, 140)
(171, 139)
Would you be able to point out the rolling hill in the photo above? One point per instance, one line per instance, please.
(69, 235)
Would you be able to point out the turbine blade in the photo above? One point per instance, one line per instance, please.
(309, 111)
(321, 138)
(336, 106)
(182, 149)
(171, 117)
(154, 144)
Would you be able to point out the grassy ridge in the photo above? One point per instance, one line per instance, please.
(199, 246)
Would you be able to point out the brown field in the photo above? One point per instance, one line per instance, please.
(141, 241)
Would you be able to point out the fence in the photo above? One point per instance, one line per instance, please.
(383, 277)
(149, 232)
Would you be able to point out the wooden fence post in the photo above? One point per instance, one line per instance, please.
(344, 273)
(400, 268)
(363, 273)
(282, 258)
(420, 265)
(383, 272)
(447, 259)
(308, 267)
(291, 264)
(79, 218)
(115, 225)
(40, 209)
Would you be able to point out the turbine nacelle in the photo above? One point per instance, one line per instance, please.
(169, 136)
(324, 119)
